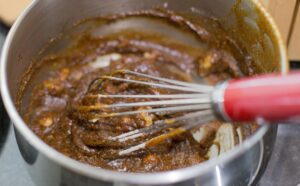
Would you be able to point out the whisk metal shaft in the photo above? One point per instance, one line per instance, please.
(205, 88)
(163, 86)
(156, 140)
(191, 99)
(160, 125)
(165, 96)
(165, 110)
(151, 103)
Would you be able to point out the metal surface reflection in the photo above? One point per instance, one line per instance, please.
(219, 178)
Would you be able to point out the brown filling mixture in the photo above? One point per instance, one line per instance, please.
(53, 112)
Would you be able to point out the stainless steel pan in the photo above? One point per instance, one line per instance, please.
(45, 19)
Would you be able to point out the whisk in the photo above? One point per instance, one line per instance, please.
(273, 98)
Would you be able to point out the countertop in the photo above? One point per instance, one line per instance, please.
(283, 168)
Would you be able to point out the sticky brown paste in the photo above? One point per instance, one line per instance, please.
(51, 111)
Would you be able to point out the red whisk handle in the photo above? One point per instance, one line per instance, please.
(274, 98)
